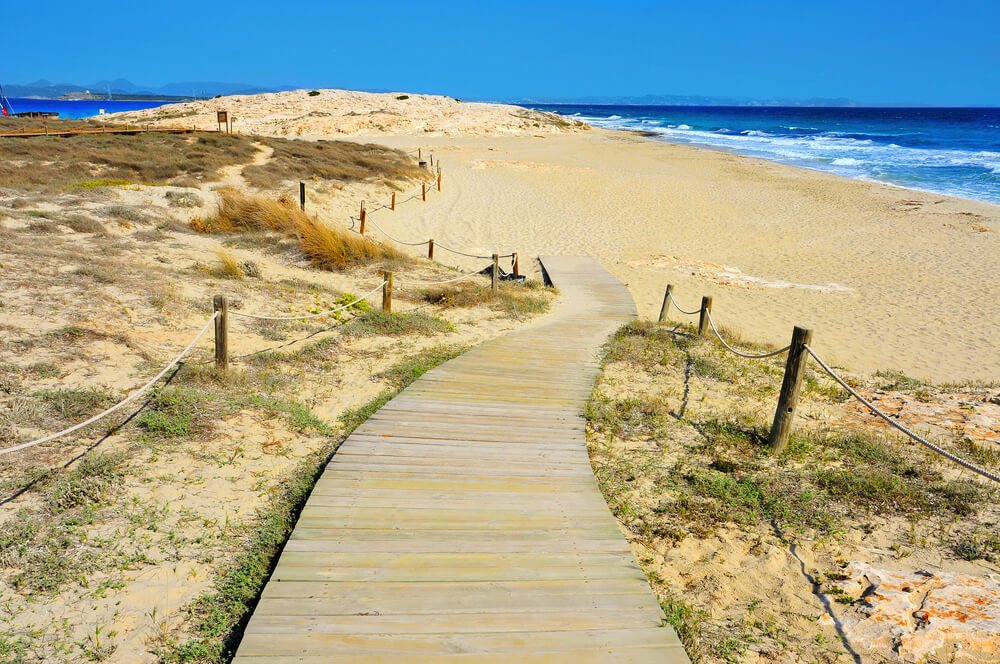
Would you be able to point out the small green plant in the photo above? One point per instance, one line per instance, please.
(381, 323)
(314, 93)
(403, 97)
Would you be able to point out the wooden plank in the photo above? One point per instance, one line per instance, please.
(462, 521)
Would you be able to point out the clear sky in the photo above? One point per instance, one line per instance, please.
(925, 51)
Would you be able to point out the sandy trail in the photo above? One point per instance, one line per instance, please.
(887, 277)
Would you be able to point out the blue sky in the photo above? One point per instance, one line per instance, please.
(876, 51)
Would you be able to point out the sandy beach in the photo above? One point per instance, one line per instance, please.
(888, 278)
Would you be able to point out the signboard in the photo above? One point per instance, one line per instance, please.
(223, 117)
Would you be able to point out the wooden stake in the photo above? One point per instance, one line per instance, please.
(430, 249)
(420, 154)
(363, 215)
(439, 181)
(387, 292)
(495, 276)
(220, 303)
(788, 398)
(516, 270)
(423, 192)
(302, 196)
(393, 204)
(665, 307)
(706, 307)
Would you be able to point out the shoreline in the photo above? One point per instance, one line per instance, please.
(660, 138)
(771, 248)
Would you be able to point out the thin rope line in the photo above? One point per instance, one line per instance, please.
(393, 238)
(689, 313)
(127, 399)
(920, 439)
(304, 317)
(741, 354)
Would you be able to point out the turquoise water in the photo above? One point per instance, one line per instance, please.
(954, 151)
(80, 109)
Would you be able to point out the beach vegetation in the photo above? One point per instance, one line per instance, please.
(326, 247)
(382, 323)
(513, 299)
(403, 97)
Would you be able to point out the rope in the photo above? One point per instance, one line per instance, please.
(304, 317)
(127, 399)
(689, 313)
(460, 253)
(436, 283)
(920, 439)
(742, 354)
(392, 237)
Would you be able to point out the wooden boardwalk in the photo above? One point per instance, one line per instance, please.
(463, 523)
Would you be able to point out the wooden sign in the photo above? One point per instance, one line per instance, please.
(223, 117)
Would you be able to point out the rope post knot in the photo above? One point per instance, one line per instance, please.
(706, 309)
(791, 385)
(220, 303)
(387, 292)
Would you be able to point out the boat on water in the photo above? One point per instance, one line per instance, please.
(5, 108)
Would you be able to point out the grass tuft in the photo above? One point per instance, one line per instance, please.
(327, 248)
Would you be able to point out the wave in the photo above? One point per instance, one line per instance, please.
(865, 154)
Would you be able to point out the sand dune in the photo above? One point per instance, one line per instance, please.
(343, 112)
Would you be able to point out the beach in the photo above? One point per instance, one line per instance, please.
(888, 278)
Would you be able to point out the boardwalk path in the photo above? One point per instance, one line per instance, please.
(462, 522)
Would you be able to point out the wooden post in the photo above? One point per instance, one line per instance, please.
(788, 398)
(516, 265)
(423, 191)
(393, 205)
(665, 307)
(432, 161)
(387, 292)
(706, 307)
(420, 154)
(439, 181)
(363, 215)
(495, 275)
(302, 196)
(430, 249)
(221, 305)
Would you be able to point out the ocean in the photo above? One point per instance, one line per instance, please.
(75, 109)
(954, 151)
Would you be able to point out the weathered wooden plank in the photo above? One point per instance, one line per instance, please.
(462, 522)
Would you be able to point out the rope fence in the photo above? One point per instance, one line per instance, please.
(131, 397)
(799, 350)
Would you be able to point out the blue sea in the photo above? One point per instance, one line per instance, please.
(953, 151)
(80, 109)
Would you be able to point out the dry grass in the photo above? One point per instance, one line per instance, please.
(514, 299)
(230, 264)
(330, 160)
(114, 160)
(326, 247)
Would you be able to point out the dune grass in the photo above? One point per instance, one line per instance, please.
(327, 248)
(513, 299)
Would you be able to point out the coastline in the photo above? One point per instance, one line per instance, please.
(904, 286)
(889, 278)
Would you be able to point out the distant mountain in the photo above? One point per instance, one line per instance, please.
(123, 87)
